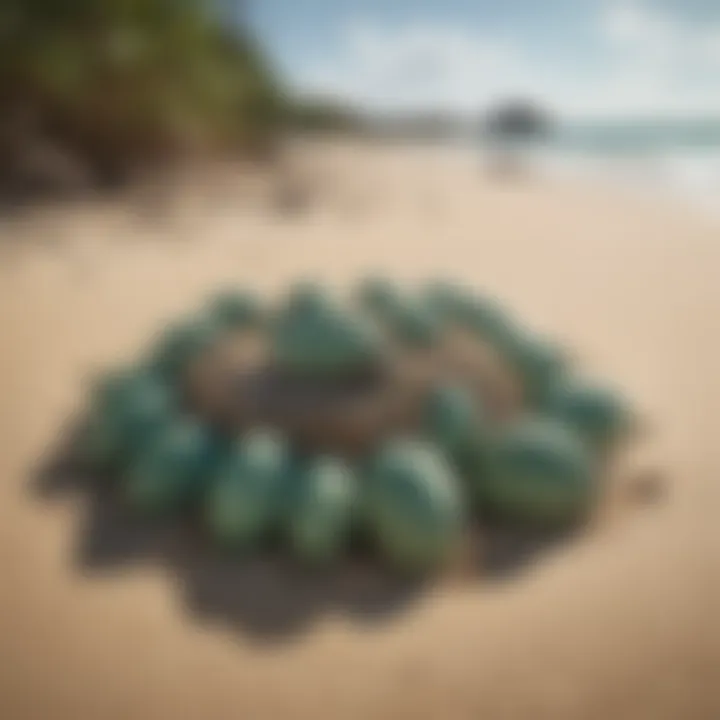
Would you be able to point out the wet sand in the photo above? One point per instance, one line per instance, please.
(622, 623)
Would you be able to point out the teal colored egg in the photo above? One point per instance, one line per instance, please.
(444, 298)
(540, 474)
(173, 471)
(598, 414)
(322, 339)
(319, 524)
(456, 423)
(485, 318)
(452, 417)
(415, 324)
(540, 365)
(378, 296)
(181, 344)
(246, 499)
(479, 315)
(98, 442)
(306, 296)
(127, 411)
(236, 310)
(413, 506)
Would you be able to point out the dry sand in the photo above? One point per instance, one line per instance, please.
(621, 624)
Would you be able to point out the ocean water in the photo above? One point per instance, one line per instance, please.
(681, 159)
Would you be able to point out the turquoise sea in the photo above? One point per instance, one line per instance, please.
(633, 137)
(681, 157)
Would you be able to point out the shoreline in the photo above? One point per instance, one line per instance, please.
(260, 188)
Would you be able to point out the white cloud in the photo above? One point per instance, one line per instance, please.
(650, 63)
(417, 68)
(709, 49)
(629, 24)
(657, 62)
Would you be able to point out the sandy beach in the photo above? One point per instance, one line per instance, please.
(621, 623)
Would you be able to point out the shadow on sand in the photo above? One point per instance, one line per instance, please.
(267, 597)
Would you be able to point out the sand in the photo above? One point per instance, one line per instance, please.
(622, 623)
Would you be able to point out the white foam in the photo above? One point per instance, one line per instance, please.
(691, 175)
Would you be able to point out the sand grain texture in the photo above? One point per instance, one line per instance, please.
(622, 624)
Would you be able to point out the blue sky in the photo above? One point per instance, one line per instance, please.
(583, 57)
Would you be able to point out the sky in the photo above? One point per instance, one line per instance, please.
(581, 58)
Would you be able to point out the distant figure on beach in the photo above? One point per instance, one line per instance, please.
(293, 189)
(509, 130)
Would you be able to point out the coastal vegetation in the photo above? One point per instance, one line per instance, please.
(119, 84)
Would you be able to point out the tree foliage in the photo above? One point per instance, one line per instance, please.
(123, 81)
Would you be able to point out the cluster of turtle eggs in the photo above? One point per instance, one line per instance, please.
(411, 496)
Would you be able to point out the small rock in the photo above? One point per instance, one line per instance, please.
(647, 487)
